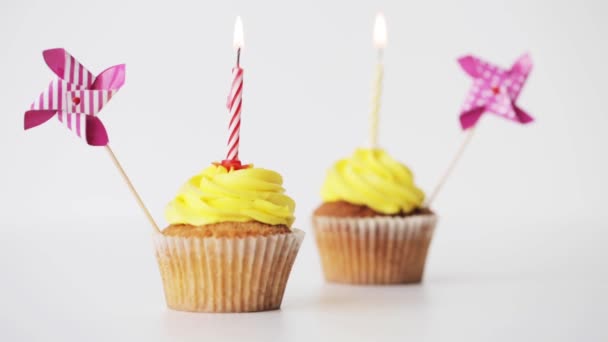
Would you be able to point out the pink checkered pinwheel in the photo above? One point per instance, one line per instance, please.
(76, 97)
(494, 90)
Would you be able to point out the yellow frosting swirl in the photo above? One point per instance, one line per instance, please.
(371, 177)
(221, 195)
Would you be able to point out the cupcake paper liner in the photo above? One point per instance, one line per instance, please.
(226, 274)
(376, 250)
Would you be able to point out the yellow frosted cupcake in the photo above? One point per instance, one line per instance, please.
(229, 246)
(371, 227)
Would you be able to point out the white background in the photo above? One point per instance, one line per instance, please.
(520, 250)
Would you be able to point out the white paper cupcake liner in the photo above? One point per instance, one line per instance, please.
(226, 274)
(376, 250)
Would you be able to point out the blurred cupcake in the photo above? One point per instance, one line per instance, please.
(229, 246)
(371, 227)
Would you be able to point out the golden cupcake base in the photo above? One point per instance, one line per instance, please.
(211, 274)
(374, 251)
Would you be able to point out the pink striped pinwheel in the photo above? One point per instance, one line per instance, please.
(76, 97)
(494, 90)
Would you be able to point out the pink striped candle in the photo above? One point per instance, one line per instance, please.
(235, 104)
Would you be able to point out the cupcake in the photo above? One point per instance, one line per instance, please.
(230, 245)
(372, 227)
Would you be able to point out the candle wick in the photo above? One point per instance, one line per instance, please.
(238, 58)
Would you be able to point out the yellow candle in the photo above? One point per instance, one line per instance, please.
(380, 44)
(376, 96)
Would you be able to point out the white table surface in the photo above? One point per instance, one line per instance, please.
(98, 281)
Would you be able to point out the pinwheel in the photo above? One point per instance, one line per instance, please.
(76, 97)
(494, 90)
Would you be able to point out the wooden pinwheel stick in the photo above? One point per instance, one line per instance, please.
(451, 166)
(132, 188)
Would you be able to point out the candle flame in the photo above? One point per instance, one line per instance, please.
(238, 41)
(380, 31)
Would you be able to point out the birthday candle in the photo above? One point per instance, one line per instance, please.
(380, 44)
(235, 97)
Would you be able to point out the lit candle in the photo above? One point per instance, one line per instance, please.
(380, 44)
(235, 98)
